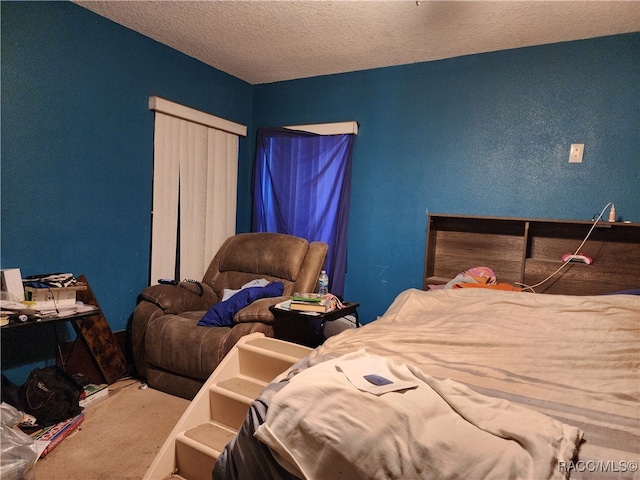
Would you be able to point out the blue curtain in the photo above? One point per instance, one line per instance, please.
(302, 187)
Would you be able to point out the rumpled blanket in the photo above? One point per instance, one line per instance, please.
(222, 313)
(320, 426)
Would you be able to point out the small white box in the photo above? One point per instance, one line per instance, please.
(54, 297)
(11, 282)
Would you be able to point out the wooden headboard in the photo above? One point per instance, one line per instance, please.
(526, 251)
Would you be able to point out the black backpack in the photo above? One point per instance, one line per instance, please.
(50, 395)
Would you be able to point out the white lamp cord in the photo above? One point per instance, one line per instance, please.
(595, 222)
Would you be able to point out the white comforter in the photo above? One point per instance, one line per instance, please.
(575, 360)
(320, 426)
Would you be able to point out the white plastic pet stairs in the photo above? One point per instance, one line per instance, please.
(218, 410)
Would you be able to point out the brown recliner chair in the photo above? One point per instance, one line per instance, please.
(176, 355)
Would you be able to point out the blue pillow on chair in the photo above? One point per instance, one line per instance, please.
(221, 314)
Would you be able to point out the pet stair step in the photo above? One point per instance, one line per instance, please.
(241, 387)
(211, 435)
(227, 408)
(273, 347)
(194, 460)
(266, 358)
(221, 405)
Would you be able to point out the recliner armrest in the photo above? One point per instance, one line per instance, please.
(180, 298)
(258, 311)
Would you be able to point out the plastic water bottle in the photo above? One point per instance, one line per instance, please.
(323, 283)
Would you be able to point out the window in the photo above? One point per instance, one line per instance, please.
(194, 188)
(302, 187)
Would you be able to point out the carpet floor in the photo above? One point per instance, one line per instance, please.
(119, 438)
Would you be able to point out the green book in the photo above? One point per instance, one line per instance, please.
(307, 297)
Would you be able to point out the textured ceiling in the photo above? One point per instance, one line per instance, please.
(268, 41)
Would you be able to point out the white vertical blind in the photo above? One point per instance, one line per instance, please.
(166, 174)
(195, 180)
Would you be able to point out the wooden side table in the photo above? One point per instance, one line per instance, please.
(306, 328)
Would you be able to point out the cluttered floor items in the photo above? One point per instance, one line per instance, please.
(38, 415)
(119, 438)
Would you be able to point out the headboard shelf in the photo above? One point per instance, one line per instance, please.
(526, 251)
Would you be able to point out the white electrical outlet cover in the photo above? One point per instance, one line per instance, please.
(575, 154)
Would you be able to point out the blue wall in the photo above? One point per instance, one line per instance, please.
(485, 134)
(77, 145)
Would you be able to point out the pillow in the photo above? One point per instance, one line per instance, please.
(228, 293)
(221, 314)
(482, 275)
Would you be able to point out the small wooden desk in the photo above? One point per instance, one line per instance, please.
(34, 319)
(93, 329)
(49, 319)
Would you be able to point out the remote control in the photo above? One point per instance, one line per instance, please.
(168, 281)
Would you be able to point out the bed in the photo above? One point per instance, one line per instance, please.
(490, 384)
